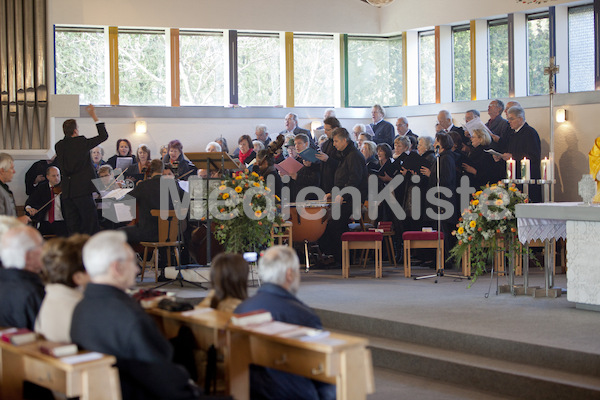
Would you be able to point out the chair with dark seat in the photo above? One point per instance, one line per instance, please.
(361, 240)
(422, 240)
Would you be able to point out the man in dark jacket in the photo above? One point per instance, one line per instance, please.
(73, 157)
(352, 174)
(107, 320)
(279, 269)
(21, 289)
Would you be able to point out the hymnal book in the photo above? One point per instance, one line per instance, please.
(309, 154)
(59, 349)
(288, 166)
(251, 318)
(18, 336)
(79, 358)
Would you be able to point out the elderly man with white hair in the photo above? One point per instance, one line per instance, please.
(279, 269)
(109, 321)
(21, 288)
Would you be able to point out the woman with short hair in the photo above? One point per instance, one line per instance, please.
(182, 168)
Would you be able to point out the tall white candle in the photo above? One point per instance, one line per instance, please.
(545, 167)
(511, 169)
(525, 168)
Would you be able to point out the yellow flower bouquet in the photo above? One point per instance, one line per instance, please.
(244, 210)
(489, 220)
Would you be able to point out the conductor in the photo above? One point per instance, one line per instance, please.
(73, 157)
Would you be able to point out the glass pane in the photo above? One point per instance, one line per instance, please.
(142, 69)
(427, 69)
(374, 72)
(80, 65)
(201, 70)
(581, 48)
(258, 71)
(538, 41)
(462, 64)
(498, 60)
(313, 71)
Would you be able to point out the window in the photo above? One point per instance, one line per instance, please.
(80, 64)
(581, 48)
(538, 52)
(258, 69)
(374, 71)
(313, 70)
(426, 67)
(498, 58)
(142, 67)
(461, 53)
(201, 57)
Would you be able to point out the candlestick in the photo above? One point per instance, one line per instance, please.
(525, 169)
(511, 169)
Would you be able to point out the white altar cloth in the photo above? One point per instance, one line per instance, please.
(580, 224)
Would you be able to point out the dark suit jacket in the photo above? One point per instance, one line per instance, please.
(266, 383)
(383, 133)
(39, 197)
(109, 321)
(526, 143)
(37, 168)
(21, 295)
(328, 167)
(73, 157)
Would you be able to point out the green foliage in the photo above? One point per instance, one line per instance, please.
(462, 64)
(80, 66)
(201, 70)
(374, 71)
(258, 71)
(538, 40)
(498, 61)
(142, 69)
(313, 71)
(237, 230)
(427, 69)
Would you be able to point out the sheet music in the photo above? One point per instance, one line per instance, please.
(123, 162)
(123, 212)
(117, 194)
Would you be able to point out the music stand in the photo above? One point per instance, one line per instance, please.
(211, 161)
(439, 272)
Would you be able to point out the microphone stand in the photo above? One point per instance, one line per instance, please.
(440, 271)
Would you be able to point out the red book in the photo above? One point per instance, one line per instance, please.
(18, 336)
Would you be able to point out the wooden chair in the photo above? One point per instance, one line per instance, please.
(168, 230)
(361, 240)
(422, 240)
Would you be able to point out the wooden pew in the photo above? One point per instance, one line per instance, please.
(91, 380)
(341, 360)
(338, 359)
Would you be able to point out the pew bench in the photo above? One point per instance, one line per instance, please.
(96, 379)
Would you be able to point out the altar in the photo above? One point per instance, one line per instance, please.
(580, 225)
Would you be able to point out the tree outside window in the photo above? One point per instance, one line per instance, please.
(374, 71)
(461, 51)
(201, 58)
(498, 59)
(258, 69)
(538, 48)
(142, 67)
(80, 64)
(426, 67)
